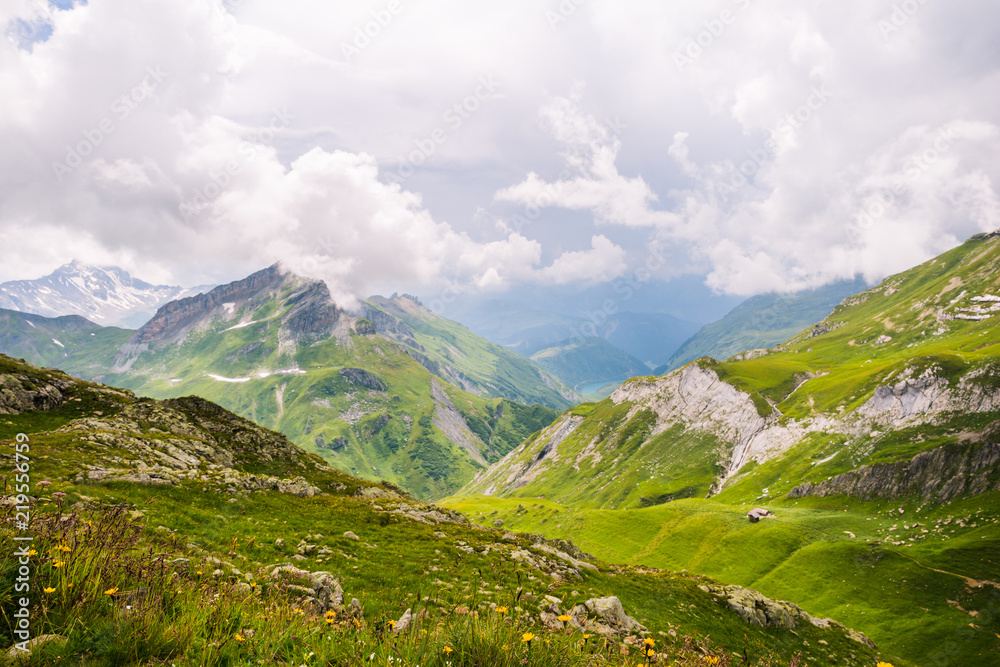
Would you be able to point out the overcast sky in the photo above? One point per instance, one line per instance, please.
(764, 145)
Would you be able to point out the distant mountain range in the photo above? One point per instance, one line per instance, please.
(762, 321)
(108, 296)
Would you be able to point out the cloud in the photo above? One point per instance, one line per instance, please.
(603, 262)
(592, 181)
(202, 142)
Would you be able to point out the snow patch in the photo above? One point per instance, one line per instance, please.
(58, 343)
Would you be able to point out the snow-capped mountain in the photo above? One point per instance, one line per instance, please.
(108, 296)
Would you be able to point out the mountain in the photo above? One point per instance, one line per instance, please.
(646, 319)
(105, 295)
(588, 364)
(68, 340)
(275, 348)
(874, 436)
(453, 353)
(761, 322)
(175, 532)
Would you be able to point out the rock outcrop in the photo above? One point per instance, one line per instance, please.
(939, 475)
(19, 393)
(602, 616)
(765, 612)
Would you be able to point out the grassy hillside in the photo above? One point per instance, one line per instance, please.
(69, 341)
(465, 359)
(174, 532)
(873, 435)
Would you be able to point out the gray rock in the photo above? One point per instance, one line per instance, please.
(351, 536)
(403, 624)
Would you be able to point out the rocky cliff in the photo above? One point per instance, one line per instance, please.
(940, 475)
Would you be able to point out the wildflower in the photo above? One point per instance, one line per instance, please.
(58, 494)
(502, 610)
(111, 591)
(883, 664)
(447, 649)
(49, 590)
(392, 624)
(527, 637)
(565, 618)
(238, 637)
(32, 552)
(43, 483)
(331, 616)
(64, 548)
(58, 564)
(198, 572)
(712, 660)
(649, 641)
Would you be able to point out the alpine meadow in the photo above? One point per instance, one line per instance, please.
(440, 334)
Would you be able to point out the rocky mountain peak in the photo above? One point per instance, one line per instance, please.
(312, 308)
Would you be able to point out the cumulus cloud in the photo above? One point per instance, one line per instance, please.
(592, 181)
(789, 145)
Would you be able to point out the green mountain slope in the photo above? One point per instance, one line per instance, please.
(174, 532)
(274, 348)
(455, 354)
(69, 341)
(890, 403)
(761, 322)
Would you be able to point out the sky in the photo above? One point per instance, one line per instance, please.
(462, 146)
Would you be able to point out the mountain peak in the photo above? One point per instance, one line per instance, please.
(313, 310)
(105, 295)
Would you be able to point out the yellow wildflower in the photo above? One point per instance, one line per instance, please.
(238, 637)
(447, 650)
(527, 637)
(502, 610)
(565, 618)
(883, 664)
(111, 591)
(58, 564)
(49, 590)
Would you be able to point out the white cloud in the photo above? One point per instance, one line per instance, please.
(645, 149)
(592, 182)
(604, 261)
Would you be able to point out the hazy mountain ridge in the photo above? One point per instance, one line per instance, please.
(761, 322)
